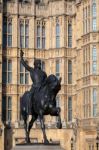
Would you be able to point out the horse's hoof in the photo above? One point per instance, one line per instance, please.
(59, 125)
(46, 141)
(28, 141)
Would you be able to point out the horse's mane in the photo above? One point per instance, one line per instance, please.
(52, 80)
(53, 83)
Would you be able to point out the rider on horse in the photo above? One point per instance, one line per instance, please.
(41, 99)
(38, 76)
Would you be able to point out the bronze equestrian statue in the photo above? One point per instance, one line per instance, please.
(41, 99)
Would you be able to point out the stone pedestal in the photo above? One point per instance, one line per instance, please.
(38, 147)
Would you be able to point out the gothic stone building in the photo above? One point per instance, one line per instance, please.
(64, 34)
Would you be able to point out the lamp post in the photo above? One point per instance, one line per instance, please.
(97, 142)
(72, 143)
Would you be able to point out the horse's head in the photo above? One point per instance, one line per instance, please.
(54, 83)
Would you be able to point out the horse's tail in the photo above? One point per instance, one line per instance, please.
(25, 104)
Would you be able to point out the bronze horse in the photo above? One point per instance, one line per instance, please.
(42, 102)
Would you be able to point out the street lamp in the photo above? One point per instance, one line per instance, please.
(72, 143)
(97, 142)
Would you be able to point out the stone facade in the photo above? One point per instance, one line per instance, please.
(79, 85)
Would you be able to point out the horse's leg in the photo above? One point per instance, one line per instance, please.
(55, 111)
(43, 129)
(25, 127)
(59, 123)
(34, 117)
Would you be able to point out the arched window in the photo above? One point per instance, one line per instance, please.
(24, 75)
(69, 108)
(69, 35)
(7, 108)
(57, 35)
(24, 34)
(43, 37)
(57, 69)
(9, 28)
(94, 60)
(7, 71)
(94, 9)
(38, 36)
(9, 34)
(94, 53)
(69, 72)
(94, 16)
(94, 102)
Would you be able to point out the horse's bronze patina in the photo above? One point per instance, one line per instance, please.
(41, 99)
